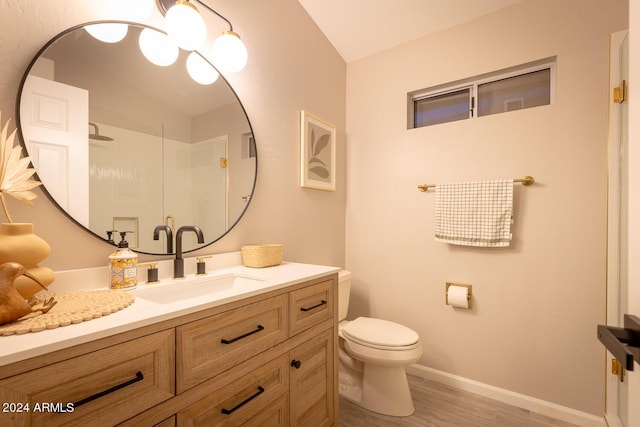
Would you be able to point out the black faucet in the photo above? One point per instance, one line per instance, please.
(178, 263)
(166, 229)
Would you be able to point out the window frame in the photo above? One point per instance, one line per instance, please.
(448, 90)
(474, 82)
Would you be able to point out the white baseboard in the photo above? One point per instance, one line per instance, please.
(543, 407)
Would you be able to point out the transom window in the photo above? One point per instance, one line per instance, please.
(526, 86)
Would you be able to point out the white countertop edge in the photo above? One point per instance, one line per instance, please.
(15, 348)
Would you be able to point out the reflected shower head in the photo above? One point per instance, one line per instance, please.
(96, 134)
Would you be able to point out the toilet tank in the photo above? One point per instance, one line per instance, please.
(344, 290)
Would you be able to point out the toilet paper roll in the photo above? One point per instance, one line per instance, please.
(458, 296)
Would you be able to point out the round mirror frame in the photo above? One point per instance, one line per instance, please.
(54, 201)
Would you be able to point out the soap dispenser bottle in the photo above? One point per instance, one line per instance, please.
(123, 266)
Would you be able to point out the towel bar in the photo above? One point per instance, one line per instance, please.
(527, 180)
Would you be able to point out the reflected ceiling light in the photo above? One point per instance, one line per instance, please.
(229, 52)
(133, 10)
(200, 70)
(158, 48)
(108, 32)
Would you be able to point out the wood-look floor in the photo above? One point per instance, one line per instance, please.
(439, 405)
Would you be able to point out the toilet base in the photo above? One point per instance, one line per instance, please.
(380, 389)
(386, 390)
(351, 392)
(349, 378)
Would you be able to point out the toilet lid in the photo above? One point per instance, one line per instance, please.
(379, 332)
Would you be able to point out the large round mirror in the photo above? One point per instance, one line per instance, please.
(122, 144)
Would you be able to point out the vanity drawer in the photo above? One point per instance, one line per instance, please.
(105, 387)
(212, 345)
(239, 401)
(275, 415)
(311, 305)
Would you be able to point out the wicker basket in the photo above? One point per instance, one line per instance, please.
(259, 256)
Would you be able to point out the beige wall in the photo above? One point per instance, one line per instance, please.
(537, 303)
(291, 67)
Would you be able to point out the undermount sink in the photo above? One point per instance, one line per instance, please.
(205, 287)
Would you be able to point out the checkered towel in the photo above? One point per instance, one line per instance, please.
(474, 213)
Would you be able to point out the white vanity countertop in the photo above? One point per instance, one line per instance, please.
(144, 312)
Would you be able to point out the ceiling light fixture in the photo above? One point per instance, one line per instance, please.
(229, 53)
(186, 26)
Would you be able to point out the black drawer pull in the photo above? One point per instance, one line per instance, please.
(244, 402)
(258, 329)
(323, 302)
(139, 377)
(296, 364)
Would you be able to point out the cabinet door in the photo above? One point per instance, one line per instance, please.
(312, 382)
(101, 388)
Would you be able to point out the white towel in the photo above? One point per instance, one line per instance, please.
(474, 213)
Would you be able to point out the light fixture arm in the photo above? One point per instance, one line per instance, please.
(188, 30)
(220, 16)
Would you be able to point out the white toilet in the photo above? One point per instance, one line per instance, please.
(373, 354)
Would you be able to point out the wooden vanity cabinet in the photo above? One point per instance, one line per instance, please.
(298, 387)
(266, 360)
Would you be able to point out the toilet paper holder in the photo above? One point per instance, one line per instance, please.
(469, 292)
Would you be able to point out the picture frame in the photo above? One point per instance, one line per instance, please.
(317, 153)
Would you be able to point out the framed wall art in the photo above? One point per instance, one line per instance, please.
(317, 153)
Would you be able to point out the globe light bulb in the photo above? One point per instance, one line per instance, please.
(108, 32)
(185, 25)
(200, 70)
(158, 48)
(229, 53)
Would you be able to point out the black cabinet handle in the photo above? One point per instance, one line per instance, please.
(139, 377)
(258, 329)
(244, 402)
(323, 302)
(296, 364)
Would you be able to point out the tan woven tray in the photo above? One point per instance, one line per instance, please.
(259, 256)
(72, 307)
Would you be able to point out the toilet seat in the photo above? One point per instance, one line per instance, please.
(380, 334)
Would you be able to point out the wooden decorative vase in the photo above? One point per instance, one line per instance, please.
(19, 244)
